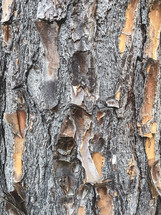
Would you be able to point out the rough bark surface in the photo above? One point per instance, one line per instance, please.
(80, 107)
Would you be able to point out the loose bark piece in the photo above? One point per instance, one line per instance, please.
(87, 162)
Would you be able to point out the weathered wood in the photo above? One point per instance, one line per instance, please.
(80, 107)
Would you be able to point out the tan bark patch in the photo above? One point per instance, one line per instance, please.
(6, 30)
(117, 96)
(99, 162)
(129, 23)
(154, 30)
(154, 128)
(18, 121)
(17, 167)
(81, 211)
(13, 120)
(115, 194)
(22, 121)
(150, 150)
(146, 113)
(105, 202)
(131, 170)
(100, 115)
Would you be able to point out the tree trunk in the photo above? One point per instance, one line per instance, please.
(80, 107)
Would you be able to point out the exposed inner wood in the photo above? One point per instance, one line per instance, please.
(129, 23)
(18, 121)
(117, 96)
(18, 166)
(150, 150)
(99, 162)
(105, 202)
(149, 95)
(7, 30)
(81, 211)
(154, 30)
(148, 128)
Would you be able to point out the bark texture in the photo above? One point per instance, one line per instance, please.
(80, 107)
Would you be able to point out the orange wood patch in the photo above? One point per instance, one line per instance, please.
(129, 23)
(17, 167)
(81, 211)
(22, 121)
(154, 30)
(150, 150)
(18, 121)
(117, 96)
(149, 94)
(105, 202)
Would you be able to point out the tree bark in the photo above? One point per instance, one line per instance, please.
(80, 107)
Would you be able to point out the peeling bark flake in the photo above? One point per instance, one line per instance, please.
(91, 172)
